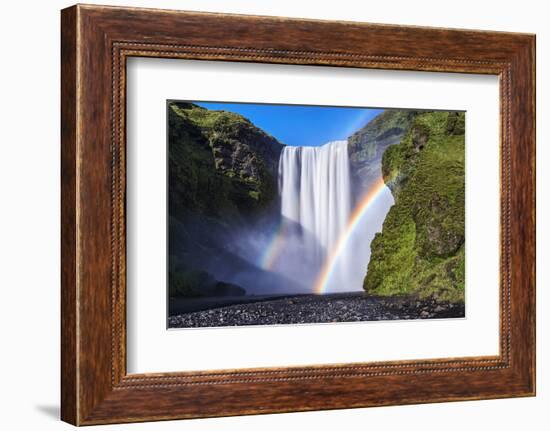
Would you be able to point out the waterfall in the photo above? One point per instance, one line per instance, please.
(314, 186)
(318, 240)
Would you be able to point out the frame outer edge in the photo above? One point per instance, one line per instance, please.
(532, 101)
(530, 63)
(533, 54)
(69, 201)
(523, 216)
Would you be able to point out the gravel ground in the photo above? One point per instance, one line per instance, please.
(343, 307)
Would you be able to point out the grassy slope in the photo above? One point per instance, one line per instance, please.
(420, 250)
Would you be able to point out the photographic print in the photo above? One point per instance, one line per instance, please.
(296, 214)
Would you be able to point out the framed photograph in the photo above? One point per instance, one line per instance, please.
(265, 233)
(264, 214)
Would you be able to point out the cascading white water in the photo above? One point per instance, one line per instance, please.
(318, 231)
(314, 185)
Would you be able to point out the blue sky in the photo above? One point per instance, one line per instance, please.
(300, 124)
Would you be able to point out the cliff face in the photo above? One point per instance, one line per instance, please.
(367, 145)
(420, 250)
(220, 164)
(221, 170)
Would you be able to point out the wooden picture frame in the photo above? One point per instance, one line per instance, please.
(95, 43)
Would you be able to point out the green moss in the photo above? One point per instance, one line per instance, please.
(254, 194)
(391, 270)
(421, 248)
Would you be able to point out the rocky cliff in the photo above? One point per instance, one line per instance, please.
(367, 145)
(220, 164)
(221, 170)
(420, 250)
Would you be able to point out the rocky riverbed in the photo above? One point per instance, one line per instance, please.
(341, 307)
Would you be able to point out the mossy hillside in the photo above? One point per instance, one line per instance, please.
(420, 250)
(220, 164)
(222, 169)
(367, 145)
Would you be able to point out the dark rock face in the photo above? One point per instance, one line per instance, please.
(367, 145)
(456, 124)
(197, 283)
(420, 137)
(420, 250)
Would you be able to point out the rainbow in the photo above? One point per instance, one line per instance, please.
(269, 256)
(353, 222)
